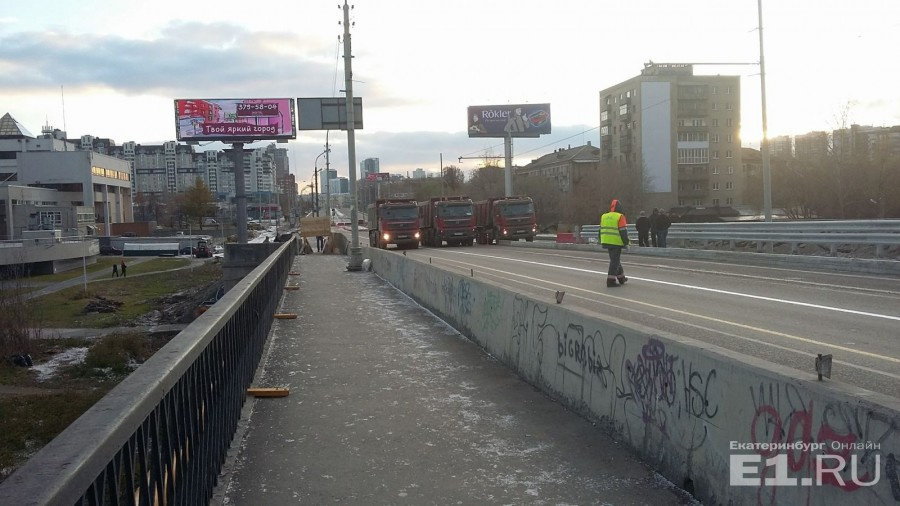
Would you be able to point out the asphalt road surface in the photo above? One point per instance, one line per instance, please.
(785, 316)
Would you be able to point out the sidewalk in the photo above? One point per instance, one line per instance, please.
(388, 405)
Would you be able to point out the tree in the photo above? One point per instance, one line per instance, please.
(486, 182)
(453, 177)
(198, 202)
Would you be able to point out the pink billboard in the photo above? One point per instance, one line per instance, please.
(235, 120)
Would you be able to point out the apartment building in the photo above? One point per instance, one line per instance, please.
(681, 130)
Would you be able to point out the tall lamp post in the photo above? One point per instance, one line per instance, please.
(316, 180)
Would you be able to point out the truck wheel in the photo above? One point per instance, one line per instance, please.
(529, 239)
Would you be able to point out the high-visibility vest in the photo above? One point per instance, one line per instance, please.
(609, 229)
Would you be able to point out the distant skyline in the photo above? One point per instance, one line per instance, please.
(118, 66)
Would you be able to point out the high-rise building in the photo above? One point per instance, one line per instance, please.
(682, 131)
(369, 166)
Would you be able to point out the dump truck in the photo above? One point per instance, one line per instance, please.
(203, 250)
(505, 218)
(394, 221)
(450, 219)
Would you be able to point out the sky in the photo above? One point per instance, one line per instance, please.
(113, 68)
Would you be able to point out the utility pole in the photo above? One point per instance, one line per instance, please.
(355, 263)
(764, 145)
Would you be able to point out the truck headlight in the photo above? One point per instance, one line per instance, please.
(386, 237)
(416, 235)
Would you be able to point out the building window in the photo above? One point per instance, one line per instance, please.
(692, 136)
(729, 185)
(690, 156)
(604, 116)
(729, 201)
(728, 122)
(714, 90)
(715, 186)
(715, 106)
(715, 122)
(728, 153)
(715, 169)
(731, 169)
(715, 138)
(716, 202)
(716, 154)
(728, 90)
(727, 106)
(696, 186)
(698, 202)
(604, 130)
(729, 138)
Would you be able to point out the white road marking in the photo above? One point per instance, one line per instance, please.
(703, 288)
(694, 315)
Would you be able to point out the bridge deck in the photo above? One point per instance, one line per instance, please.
(389, 405)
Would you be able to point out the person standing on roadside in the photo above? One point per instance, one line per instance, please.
(614, 238)
(643, 229)
(123, 267)
(654, 236)
(115, 270)
(663, 222)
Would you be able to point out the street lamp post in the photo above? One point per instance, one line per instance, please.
(316, 178)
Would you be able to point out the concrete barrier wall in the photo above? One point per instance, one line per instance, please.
(686, 407)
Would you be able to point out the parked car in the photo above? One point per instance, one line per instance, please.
(109, 250)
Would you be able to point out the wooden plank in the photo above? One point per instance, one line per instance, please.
(268, 392)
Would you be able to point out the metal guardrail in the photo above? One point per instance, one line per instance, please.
(879, 233)
(161, 436)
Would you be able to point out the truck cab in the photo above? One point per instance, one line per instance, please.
(505, 218)
(450, 219)
(394, 221)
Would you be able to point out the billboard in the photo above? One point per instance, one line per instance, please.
(515, 120)
(378, 176)
(235, 119)
(328, 113)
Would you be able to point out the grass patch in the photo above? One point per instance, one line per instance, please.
(156, 264)
(139, 295)
(30, 422)
(102, 263)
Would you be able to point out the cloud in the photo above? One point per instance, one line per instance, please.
(187, 59)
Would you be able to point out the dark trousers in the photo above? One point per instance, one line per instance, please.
(662, 237)
(615, 261)
(653, 237)
(643, 238)
(320, 243)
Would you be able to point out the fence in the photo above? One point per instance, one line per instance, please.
(161, 436)
(878, 233)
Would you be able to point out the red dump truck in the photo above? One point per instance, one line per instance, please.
(394, 221)
(505, 218)
(450, 219)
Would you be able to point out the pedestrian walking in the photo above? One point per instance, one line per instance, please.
(654, 234)
(123, 267)
(662, 228)
(320, 243)
(115, 270)
(643, 229)
(614, 238)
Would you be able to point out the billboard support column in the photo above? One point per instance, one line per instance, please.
(507, 171)
(240, 193)
(355, 263)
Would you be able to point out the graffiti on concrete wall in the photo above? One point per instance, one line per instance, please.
(491, 311)
(784, 414)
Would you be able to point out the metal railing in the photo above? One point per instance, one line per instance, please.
(161, 436)
(878, 233)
